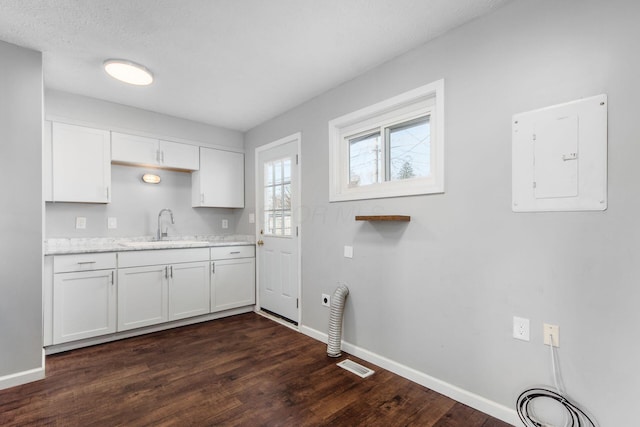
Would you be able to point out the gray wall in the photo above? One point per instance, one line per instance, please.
(20, 209)
(134, 204)
(438, 294)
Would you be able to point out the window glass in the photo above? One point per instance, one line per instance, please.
(409, 149)
(365, 160)
(392, 148)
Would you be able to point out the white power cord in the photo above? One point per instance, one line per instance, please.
(556, 374)
(574, 416)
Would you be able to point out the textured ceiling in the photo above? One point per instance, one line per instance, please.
(230, 63)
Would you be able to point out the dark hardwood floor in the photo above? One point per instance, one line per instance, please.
(240, 371)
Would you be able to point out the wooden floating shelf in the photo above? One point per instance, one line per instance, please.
(402, 218)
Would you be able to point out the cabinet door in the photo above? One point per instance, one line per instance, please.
(233, 283)
(220, 180)
(142, 296)
(188, 290)
(81, 165)
(179, 156)
(84, 305)
(133, 149)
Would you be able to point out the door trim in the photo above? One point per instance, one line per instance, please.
(297, 138)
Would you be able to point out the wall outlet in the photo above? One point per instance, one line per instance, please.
(521, 328)
(326, 300)
(348, 251)
(81, 222)
(252, 218)
(225, 223)
(112, 222)
(551, 332)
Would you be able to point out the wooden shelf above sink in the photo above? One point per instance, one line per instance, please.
(401, 218)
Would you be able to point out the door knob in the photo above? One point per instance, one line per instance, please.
(260, 242)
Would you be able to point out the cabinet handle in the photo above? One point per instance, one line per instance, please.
(234, 252)
(162, 156)
(112, 278)
(166, 272)
(86, 262)
(171, 271)
(158, 155)
(107, 193)
(213, 267)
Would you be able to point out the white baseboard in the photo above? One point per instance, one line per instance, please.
(23, 377)
(468, 398)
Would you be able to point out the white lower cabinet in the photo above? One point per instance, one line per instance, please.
(82, 295)
(188, 290)
(233, 279)
(175, 289)
(94, 294)
(142, 296)
(84, 305)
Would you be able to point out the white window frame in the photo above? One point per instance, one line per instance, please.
(424, 100)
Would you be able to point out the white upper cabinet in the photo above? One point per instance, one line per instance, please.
(152, 152)
(220, 180)
(134, 149)
(179, 156)
(81, 164)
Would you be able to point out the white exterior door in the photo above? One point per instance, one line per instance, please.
(278, 250)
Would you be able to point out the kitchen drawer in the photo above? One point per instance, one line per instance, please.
(230, 252)
(161, 257)
(84, 262)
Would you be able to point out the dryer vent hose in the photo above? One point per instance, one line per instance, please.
(335, 321)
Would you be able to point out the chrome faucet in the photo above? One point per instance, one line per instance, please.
(160, 233)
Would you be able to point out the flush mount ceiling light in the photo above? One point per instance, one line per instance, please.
(128, 72)
(150, 178)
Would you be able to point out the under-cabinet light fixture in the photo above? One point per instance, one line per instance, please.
(150, 178)
(128, 72)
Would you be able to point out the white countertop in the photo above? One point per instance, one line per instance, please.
(64, 246)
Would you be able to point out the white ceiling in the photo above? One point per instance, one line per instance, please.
(230, 63)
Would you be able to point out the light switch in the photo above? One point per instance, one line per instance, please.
(81, 222)
(252, 218)
(225, 223)
(348, 251)
(112, 222)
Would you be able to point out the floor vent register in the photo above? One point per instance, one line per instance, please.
(356, 368)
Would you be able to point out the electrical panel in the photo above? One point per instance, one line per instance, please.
(559, 157)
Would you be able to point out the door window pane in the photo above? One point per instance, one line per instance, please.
(268, 199)
(286, 197)
(277, 197)
(268, 174)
